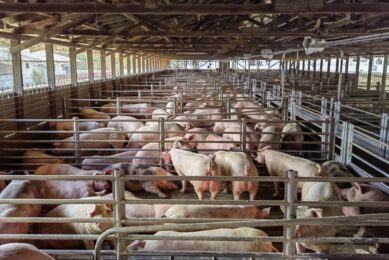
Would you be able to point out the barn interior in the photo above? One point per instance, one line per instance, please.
(204, 129)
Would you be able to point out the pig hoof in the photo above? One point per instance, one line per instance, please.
(182, 190)
(162, 196)
(276, 195)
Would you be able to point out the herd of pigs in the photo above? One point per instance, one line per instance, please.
(188, 151)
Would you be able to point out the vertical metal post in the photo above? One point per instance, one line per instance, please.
(369, 72)
(76, 139)
(64, 108)
(174, 106)
(117, 106)
(161, 137)
(243, 134)
(290, 213)
(118, 187)
(139, 94)
(346, 145)
(228, 107)
(152, 89)
(293, 106)
(384, 135)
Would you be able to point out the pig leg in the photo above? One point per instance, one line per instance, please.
(276, 186)
(300, 248)
(184, 186)
(101, 193)
(200, 194)
(237, 194)
(89, 245)
(149, 187)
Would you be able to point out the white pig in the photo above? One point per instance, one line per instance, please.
(150, 133)
(238, 164)
(320, 192)
(203, 245)
(129, 126)
(74, 211)
(89, 113)
(291, 132)
(22, 251)
(278, 163)
(192, 164)
(216, 211)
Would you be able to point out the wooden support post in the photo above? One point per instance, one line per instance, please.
(113, 67)
(73, 71)
(18, 83)
(103, 65)
(384, 73)
(329, 68)
(91, 76)
(121, 64)
(370, 69)
(337, 68)
(314, 69)
(133, 60)
(129, 65)
(346, 68)
(357, 71)
(51, 78)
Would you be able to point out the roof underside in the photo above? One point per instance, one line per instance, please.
(194, 29)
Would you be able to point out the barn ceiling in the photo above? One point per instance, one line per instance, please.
(193, 29)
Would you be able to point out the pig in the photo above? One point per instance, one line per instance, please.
(112, 137)
(149, 154)
(320, 192)
(68, 126)
(142, 210)
(277, 113)
(148, 186)
(74, 211)
(184, 121)
(292, 132)
(89, 113)
(160, 113)
(233, 133)
(203, 245)
(151, 133)
(19, 189)
(238, 164)
(247, 104)
(278, 163)
(208, 114)
(270, 121)
(137, 110)
(22, 251)
(228, 145)
(170, 107)
(100, 162)
(363, 192)
(192, 164)
(65, 169)
(270, 134)
(36, 157)
(336, 169)
(69, 189)
(220, 127)
(129, 126)
(212, 211)
(196, 136)
(109, 108)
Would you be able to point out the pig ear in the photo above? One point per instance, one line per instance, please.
(108, 207)
(246, 170)
(176, 144)
(191, 137)
(108, 172)
(92, 213)
(165, 156)
(137, 245)
(264, 213)
(357, 186)
(316, 212)
(56, 144)
(212, 156)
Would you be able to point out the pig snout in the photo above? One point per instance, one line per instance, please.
(102, 185)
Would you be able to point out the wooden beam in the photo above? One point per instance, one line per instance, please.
(103, 66)
(50, 65)
(73, 66)
(254, 33)
(17, 69)
(194, 9)
(50, 33)
(91, 76)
